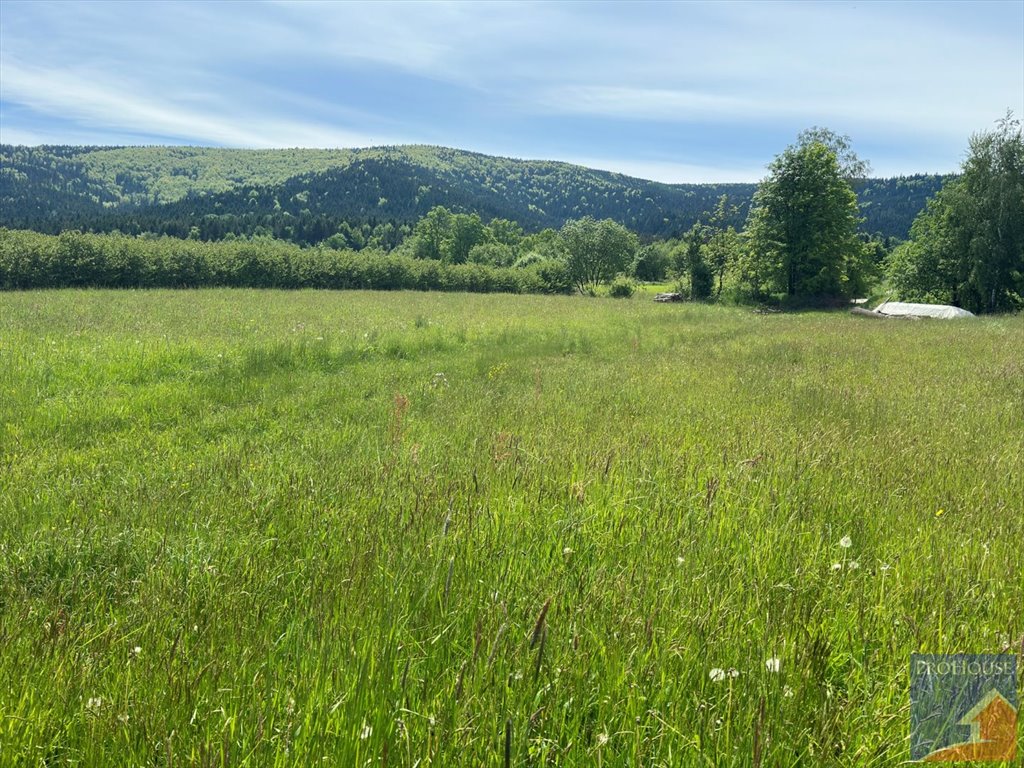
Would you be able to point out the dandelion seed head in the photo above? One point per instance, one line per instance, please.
(717, 675)
(846, 542)
(774, 664)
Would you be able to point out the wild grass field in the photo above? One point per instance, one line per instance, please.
(270, 528)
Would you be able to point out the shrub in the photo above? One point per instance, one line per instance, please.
(31, 260)
(621, 288)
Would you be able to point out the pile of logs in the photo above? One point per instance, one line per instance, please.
(665, 297)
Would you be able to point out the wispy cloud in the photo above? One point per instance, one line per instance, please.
(669, 172)
(115, 103)
(671, 88)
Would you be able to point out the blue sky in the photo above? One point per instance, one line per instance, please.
(686, 92)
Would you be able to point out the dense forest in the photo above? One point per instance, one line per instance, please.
(371, 196)
(814, 230)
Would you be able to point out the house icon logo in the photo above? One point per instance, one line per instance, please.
(963, 708)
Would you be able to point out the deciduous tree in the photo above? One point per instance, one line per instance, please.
(967, 246)
(803, 224)
(596, 251)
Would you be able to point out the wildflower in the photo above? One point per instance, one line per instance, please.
(853, 565)
(679, 560)
(846, 542)
(438, 380)
(567, 551)
(733, 672)
(367, 732)
(787, 692)
(94, 703)
(602, 739)
(940, 512)
(837, 566)
(136, 650)
(774, 664)
(717, 675)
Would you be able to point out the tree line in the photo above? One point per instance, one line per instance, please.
(30, 260)
(306, 196)
(801, 243)
(799, 240)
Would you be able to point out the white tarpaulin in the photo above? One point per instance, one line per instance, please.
(902, 309)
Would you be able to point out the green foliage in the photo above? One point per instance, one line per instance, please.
(967, 246)
(431, 235)
(621, 288)
(701, 277)
(724, 246)
(652, 262)
(495, 254)
(309, 195)
(265, 528)
(72, 259)
(552, 275)
(596, 251)
(803, 225)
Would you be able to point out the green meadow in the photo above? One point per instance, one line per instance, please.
(272, 528)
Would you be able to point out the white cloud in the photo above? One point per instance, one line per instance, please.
(100, 101)
(669, 172)
(908, 80)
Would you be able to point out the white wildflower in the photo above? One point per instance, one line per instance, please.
(367, 732)
(774, 664)
(602, 739)
(567, 551)
(94, 703)
(846, 542)
(679, 560)
(853, 565)
(717, 675)
(734, 672)
(837, 566)
(787, 692)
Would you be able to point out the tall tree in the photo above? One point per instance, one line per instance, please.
(723, 242)
(465, 231)
(596, 251)
(967, 246)
(695, 265)
(431, 232)
(803, 224)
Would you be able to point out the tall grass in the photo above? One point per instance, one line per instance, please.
(298, 528)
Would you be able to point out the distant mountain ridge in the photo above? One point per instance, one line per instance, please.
(306, 194)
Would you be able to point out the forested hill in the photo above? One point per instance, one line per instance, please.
(305, 195)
